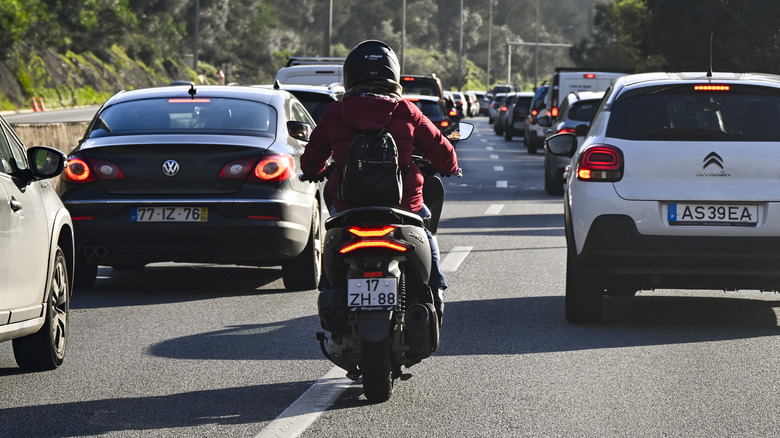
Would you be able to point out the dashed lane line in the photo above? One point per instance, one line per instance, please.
(454, 258)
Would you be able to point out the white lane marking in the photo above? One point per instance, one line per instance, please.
(489, 148)
(501, 184)
(494, 156)
(309, 406)
(454, 258)
(483, 140)
(498, 168)
(494, 209)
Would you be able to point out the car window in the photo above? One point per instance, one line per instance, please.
(739, 113)
(12, 153)
(583, 110)
(315, 103)
(299, 114)
(184, 114)
(432, 110)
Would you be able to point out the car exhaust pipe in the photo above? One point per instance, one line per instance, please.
(101, 251)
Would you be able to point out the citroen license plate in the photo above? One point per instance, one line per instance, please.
(745, 215)
(169, 214)
(372, 293)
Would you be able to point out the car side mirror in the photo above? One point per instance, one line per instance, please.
(544, 121)
(562, 145)
(581, 130)
(462, 132)
(299, 130)
(45, 162)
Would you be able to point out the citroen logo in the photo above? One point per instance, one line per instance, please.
(713, 159)
(170, 168)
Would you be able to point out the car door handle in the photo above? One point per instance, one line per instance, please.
(15, 205)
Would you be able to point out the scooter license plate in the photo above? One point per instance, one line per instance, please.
(372, 293)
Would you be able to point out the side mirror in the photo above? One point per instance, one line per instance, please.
(299, 130)
(562, 145)
(581, 130)
(45, 162)
(544, 121)
(463, 132)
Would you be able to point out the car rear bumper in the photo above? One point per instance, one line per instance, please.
(251, 232)
(617, 255)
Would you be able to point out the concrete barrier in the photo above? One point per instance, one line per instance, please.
(63, 136)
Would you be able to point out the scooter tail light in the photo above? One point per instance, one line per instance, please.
(372, 232)
(600, 163)
(373, 244)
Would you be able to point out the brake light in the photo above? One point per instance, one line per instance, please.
(589, 76)
(373, 237)
(534, 112)
(274, 168)
(712, 87)
(453, 113)
(600, 163)
(372, 232)
(554, 112)
(80, 170)
(504, 108)
(409, 79)
(571, 130)
(444, 124)
(188, 100)
(363, 244)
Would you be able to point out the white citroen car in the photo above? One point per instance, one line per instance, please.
(675, 186)
(36, 253)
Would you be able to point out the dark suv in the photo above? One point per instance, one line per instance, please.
(534, 134)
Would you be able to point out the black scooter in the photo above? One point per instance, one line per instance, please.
(378, 308)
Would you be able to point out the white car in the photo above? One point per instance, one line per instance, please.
(36, 252)
(675, 186)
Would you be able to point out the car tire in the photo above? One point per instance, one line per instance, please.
(45, 349)
(583, 301)
(552, 185)
(508, 134)
(85, 274)
(531, 145)
(303, 272)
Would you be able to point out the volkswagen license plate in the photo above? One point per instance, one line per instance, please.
(169, 214)
(372, 293)
(745, 215)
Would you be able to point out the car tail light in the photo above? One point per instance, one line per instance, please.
(453, 113)
(534, 112)
(571, 130)
(600, 163)
(554, 111)
(372, 238)
(84, 170)
(271, 168)
(589, 76)
(444, 124)
(503, 108)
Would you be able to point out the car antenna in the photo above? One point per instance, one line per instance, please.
(192, 91)
(709, 72)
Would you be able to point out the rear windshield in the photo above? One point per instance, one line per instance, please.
(584, 110)
(678, 112)
(432, 110)
(523, 102)
(204, 115)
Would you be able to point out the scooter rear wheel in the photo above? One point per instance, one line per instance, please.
(377, 370)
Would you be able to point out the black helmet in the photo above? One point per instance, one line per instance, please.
(371, 60)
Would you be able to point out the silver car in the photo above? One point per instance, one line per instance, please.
(36, 252)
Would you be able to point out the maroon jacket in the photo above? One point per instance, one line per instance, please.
(404, 121)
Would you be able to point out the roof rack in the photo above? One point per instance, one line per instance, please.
(307, 60)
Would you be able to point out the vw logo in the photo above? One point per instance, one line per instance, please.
(170, 168)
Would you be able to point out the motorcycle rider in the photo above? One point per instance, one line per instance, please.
(372, 101)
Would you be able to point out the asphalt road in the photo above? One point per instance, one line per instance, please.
(203, 350)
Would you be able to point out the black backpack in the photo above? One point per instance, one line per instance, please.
(372, 175)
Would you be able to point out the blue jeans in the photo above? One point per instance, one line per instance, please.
(437, 275)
